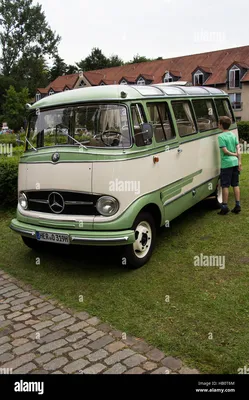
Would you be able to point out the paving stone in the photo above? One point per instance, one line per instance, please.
(44, 359)
(31, 322)
(45, 317)
(4, 324)
(161, 371)
(4, 306)
(5, 347)
(4, 312)
(96, 335)
(57, 373)
(149, 366)
(5, 332)
(116, 369)
(12, 293)
(135, 360)
(63, 350)
(38, 335)
(39, 372)
(119, 356)
(19, 342)
(130, 340)
(76, 336)
(116, 334)
(79, 353)
(82, 315)
(172, 363)
(17, 362)
(98, 355)
(56, 311)
(77, 327)
(22, 332)
(17, 327)
(53, 336)
(42, 310)
(89, 330)
(94, 369)
(43, 304)
(23, 294)
(102, 342)
(22, 300)
(29, 309)
(7, 289)
(2, 318)
(25, 348)
(188, 371)
(80, 344)
(52, 346)
(55, 364)
(135, 371)
(43, 324)
(93, 321)
(19, 307)
(6, 357)
(4, 339)
(63, 324)
(35, 301)
(155, 355)
(75, 366)
(22, 317)
(141, 347)
(61, 317)
(105, 328)
(25, 369)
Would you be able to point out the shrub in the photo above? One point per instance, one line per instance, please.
(8, 180)
(243, 129)
(7, 138)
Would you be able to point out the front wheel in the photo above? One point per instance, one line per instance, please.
(217, 197)
(139, 253)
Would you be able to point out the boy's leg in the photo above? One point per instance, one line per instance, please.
(225, 180)
(236, 190)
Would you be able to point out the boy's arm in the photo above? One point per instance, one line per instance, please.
(239, 156)
(229, 153)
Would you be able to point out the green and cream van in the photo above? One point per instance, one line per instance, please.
(108, 165)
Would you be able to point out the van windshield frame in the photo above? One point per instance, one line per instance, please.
(93, 125)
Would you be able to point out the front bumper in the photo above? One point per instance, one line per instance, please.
(97, 238)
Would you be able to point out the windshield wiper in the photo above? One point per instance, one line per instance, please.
(21, 141)
(76, 141)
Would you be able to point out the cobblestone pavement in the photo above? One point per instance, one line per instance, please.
(40, 336)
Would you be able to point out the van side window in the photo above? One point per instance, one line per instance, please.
(138, 118)
(205, 115)
(159, 117)
(184, 118)
(224, 108)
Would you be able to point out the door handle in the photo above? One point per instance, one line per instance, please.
(179, 151)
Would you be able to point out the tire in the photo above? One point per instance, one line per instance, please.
(138, 254)
(31, 243)
(217, 197)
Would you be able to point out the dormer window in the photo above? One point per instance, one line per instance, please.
(198, 78)
(66, 88)
(82, 84)
(141, 81)
(123, 82)
(234, 77)
(167, 78)
(51, 92)
(38, 96)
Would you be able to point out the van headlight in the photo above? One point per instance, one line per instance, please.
(23, 201)
(107, 206)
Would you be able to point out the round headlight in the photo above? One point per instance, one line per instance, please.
(23, 201)
(107, 206)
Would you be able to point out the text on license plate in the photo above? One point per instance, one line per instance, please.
(52, 237)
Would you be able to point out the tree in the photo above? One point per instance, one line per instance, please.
(24, 30)
(139, 59)
(96, 60)
(14, 110)
(115, 61)
(59, 68)
(5, 83)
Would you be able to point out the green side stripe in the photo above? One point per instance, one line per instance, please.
(175, 188)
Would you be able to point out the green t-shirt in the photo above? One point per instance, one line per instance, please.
(230, 141)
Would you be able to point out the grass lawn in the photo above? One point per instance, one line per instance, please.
(205, 319)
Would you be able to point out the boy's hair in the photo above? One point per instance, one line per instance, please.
(225, 122)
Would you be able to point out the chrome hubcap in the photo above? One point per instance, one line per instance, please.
(143, 235)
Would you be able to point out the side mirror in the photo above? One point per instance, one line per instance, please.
(147, 131)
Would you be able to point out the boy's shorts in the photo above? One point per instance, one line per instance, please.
(229, 177)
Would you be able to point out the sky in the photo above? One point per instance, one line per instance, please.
(155, 28)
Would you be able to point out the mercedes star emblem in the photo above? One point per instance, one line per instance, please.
(56, 202)
(55, 157)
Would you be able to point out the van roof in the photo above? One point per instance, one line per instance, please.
(126, 92)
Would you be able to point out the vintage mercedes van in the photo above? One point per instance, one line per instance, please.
(108, 165)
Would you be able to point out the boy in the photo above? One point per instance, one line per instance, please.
(230, 165)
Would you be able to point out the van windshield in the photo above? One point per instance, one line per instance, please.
(98, 125)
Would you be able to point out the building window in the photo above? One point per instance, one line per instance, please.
(159, 117)
(38, 96)
(205, 115)
(234, 77)
(198, 78)
(238, 119)
(235, 99)
(50, 92)
(82, 84)
(184, 118)
(224, 108)
(141, 81)
(66, 89)
(167, 78)
(123, 82)
(102, 84)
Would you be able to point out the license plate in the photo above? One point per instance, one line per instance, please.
(52, 237)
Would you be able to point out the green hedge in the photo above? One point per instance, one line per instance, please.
(6, 138)
(243, 129)
(8, 180)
